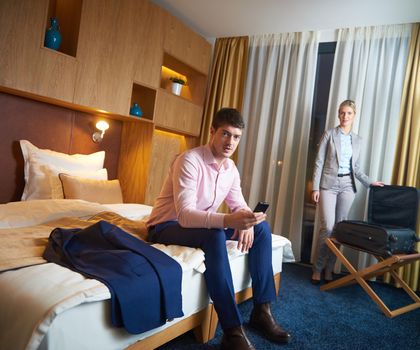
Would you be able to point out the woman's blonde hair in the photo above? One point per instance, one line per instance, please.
(349, 103)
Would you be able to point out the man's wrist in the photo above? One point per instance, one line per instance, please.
(217, 220)
(226, 221)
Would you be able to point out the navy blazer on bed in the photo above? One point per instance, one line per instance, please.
(145, 283)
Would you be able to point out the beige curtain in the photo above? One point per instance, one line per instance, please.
(226, 87)
(407, 159)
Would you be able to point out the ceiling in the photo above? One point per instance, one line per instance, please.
(224, 18)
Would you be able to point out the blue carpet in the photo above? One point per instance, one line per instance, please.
(341, 319)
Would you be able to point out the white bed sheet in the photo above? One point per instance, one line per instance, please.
(91, 328)
(90, 323)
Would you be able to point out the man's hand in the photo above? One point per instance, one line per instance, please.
(243, 219)
(245, 239)
(315, 196)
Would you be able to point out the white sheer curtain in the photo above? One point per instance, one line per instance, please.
(277, 112)
(369, 68)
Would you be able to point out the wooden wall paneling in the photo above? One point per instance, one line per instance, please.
(54, 75)
(191, 142)
(134, 164)
(165, 147)
(24, 63)
(177, 114)
(186, 45)
(149, 31)
(106, 54)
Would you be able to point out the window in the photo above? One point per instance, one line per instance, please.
(324, 68)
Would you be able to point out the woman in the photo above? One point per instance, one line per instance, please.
(334, 187)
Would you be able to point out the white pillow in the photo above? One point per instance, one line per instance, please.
(44, 182)
(42, 167)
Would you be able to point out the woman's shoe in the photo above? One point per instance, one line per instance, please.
(316, 278)
(328, 276)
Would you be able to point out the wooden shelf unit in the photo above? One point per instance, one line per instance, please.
(111, 56)
(68, 14)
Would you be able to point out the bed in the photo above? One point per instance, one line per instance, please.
(47, 306)
(82, 307)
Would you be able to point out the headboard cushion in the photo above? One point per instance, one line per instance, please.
(48, 126)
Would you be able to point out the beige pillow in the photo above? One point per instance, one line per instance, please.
(99, 191)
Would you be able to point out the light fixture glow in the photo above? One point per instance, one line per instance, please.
(102, 126)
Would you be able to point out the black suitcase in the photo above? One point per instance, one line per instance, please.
(391, 225)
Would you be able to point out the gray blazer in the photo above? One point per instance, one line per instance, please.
(327, 160)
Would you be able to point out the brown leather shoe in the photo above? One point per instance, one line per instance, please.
(235, 339)
(263, 321)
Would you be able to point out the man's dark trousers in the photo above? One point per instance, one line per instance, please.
(218, 275)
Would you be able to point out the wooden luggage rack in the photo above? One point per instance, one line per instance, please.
(384, 265)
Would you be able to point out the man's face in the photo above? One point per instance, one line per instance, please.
(224, 140)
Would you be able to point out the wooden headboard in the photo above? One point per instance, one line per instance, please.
(48, 126)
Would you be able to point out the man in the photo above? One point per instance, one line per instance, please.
(199, 180)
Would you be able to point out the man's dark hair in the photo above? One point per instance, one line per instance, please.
(230, 116)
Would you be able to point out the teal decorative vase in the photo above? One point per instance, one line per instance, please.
(136, 110)
(52, 35)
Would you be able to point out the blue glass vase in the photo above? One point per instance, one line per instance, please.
(52, 35)
(136, 110)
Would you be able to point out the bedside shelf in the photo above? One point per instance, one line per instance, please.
(73, 106)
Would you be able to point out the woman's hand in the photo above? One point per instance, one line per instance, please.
(378, 183)
(315, 196)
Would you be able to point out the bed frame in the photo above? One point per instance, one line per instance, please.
(69, 131)
(203, 323)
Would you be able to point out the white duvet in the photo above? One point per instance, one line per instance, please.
(31, 297)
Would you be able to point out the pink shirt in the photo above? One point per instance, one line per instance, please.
(195, 188)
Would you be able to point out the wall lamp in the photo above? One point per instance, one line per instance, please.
(99, 135)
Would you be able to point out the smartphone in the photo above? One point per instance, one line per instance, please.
(261, 207)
